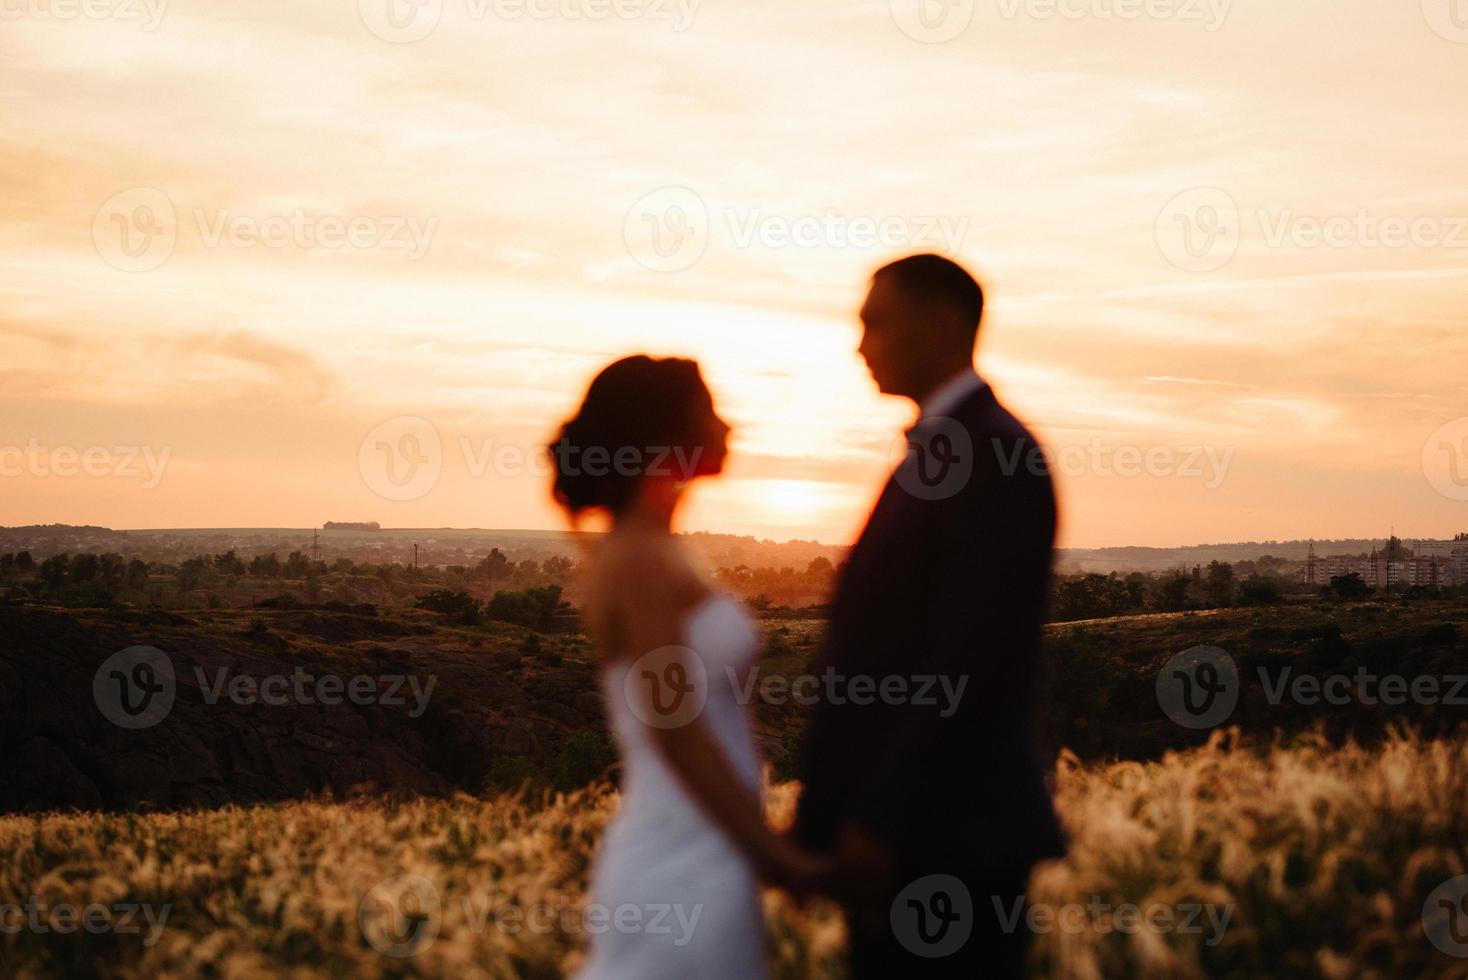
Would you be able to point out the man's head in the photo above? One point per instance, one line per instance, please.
(919, 323)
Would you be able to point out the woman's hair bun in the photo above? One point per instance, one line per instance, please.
(637, 411)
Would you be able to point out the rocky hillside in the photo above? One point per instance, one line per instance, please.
(252, 705)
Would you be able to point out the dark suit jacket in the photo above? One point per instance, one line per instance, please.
(951, 586)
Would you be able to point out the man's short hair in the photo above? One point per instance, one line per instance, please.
(931, 278)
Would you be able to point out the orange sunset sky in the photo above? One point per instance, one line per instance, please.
(238, 238)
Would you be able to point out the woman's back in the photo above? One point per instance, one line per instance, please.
(661, 850)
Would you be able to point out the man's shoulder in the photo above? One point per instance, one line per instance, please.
(983, 411)
(1002, 444)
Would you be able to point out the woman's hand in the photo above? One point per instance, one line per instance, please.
(802, 873)
(863, 872)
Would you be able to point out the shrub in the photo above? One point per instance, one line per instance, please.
(536, 609)
(1260, 591)
(585, 757)
(457, 606)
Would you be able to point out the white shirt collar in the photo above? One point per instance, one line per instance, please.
(951, 394)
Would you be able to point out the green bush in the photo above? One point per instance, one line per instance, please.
(460, 607)
(533, 608)
(585, 757)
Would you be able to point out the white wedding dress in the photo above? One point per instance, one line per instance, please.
(661, 855)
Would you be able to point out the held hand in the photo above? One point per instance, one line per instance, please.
(800, 872)
(863, 872)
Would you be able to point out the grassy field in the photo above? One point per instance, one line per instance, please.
(1243, 860)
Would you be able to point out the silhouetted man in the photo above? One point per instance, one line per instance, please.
(922, 776)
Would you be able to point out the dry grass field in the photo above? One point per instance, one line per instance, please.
(1242, 860)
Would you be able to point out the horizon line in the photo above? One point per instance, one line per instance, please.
(572, 533)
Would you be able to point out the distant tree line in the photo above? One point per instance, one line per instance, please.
(108, 579)
(766, 587)
(1093, 595)
(1217, 585)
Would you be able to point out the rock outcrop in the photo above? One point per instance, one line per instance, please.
(254, 714)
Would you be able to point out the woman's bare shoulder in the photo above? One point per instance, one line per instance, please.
(641, 577)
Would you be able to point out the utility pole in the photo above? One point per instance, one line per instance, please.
(315, 544)
(415, 556)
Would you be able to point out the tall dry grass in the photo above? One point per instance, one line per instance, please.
(1326, 855)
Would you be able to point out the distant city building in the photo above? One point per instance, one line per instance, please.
(1441, 549)
(351, 526)
(1426, 563)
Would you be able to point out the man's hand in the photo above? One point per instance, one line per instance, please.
(800, 872)
(863, 871)
(859, 872)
